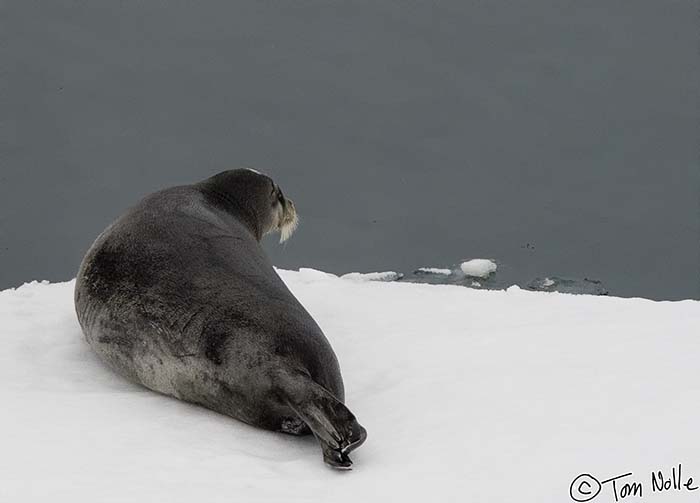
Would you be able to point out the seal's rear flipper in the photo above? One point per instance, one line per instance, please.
(331, 422)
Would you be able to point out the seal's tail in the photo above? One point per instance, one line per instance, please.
(330, 420)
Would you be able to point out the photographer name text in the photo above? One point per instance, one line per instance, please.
(586, 487)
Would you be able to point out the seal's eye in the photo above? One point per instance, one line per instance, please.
(277, 197)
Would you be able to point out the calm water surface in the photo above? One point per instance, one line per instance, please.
(559, 138)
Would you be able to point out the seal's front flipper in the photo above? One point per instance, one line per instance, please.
(331, 422)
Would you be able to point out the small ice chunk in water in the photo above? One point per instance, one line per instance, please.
(567, 285)
(478, 267)
(373, 276)
(433, 270)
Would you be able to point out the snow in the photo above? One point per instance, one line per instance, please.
(478, 267)
(435, 270)
(467, 395)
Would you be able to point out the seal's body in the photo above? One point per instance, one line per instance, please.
(178, 295)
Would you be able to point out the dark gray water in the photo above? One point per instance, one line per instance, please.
(559, 138)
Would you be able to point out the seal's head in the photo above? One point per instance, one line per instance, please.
(255, 198)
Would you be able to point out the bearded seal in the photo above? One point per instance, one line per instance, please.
(178, 295)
